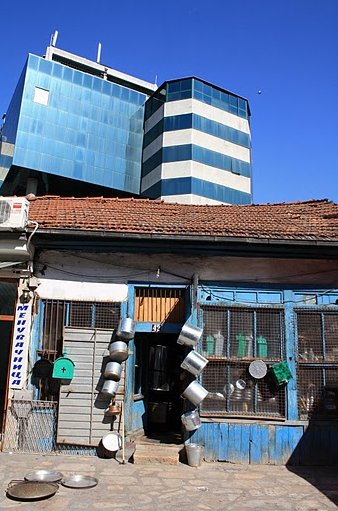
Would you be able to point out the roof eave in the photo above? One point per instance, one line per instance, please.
(207, 243)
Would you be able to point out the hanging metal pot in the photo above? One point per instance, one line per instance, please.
(126, 329)
(194, 363)
(195, 393)
(190, 335)
(113, 371)
(110, 387)
(118, 351)
(191, 420)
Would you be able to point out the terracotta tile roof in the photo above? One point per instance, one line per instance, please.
(310, 220)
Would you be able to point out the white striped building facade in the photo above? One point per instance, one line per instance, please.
(197, 145)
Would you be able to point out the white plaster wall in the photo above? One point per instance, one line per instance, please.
(190, 198)
(191, 136)
(154, 119)
(119, 268)
(187, 106)
(198, 170)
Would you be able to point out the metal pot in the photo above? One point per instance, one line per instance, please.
(190, 335)
(191, 420)
(118, 351)
(194, 363)
(110, 387)
(126, 329)
(195, 393)
(113, 371)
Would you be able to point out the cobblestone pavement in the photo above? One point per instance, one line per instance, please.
(216, 486)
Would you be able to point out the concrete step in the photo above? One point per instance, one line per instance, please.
(156, 453)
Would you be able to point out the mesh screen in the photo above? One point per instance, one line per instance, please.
(317, 364)
(242, 333)
(31, 428)
(234, 337)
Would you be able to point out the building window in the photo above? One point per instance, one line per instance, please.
(317, 335)
(233, 337)
(41, 96)
(160, 304)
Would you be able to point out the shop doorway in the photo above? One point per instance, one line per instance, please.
(158, 369)
(8, 291)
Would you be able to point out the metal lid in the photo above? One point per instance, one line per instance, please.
(258, 369)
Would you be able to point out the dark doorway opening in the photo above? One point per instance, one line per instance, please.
(160, 358)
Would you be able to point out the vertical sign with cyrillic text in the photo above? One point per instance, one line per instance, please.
(21, 334)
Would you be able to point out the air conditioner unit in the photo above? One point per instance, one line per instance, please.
(13, 213)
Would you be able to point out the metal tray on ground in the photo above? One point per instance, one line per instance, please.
(47, 476)
(31, 490)
(79, 481)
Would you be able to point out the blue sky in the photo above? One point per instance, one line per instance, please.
(288, 50)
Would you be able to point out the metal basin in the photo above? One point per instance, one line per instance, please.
(31, 490)
(47, 476)
(79, 481)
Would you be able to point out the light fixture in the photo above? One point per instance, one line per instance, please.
(25, 295)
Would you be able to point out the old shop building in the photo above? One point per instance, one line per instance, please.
(260, 280)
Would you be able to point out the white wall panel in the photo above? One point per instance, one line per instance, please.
(187, 106)
(198, 170)
(154, 119)
(191, 136)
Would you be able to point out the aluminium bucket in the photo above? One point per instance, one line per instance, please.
(194, 454)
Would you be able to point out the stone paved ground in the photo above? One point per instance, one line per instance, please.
(215, 486)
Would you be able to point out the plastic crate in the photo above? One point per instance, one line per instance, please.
(281, 373)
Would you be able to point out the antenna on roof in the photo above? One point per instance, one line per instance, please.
(98, 57)
(54, 38)
(155, 80)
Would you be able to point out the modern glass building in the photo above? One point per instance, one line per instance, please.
(196, 146)
(75, 119)
(77, 127)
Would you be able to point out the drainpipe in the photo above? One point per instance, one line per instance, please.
(194, 289)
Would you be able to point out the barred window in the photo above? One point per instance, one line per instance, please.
(233, 337)
(317, 335)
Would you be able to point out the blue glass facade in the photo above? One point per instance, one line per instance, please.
(90, 129)
(75, 124)
(197, 89)
(197, 122)
(190, 185)
(196, 153)
(187, 121)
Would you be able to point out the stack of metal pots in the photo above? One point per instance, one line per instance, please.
(118, 353)
(194, 363)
